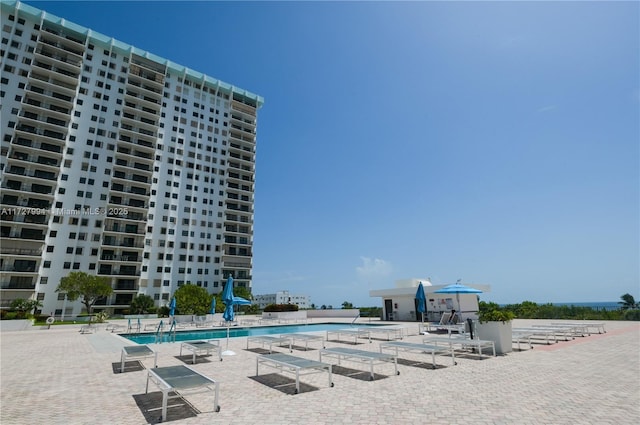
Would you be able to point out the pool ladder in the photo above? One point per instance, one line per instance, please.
(159, 338)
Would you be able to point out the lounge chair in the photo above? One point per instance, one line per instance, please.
(370, 357)
(88, 329)
(390, 331)
(476, 344)
(432, 349)
(270, 340)
(179, 380)
(298, 365)
(204, 322)
(429, 326)
(355, 333)
(307, 338)
(115, 328)
(202, 348)
(137, 352)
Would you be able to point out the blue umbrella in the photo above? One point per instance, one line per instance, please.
(240, 301)
(172, 307)
(227, 299)
(212, 310)
(457, 288)
(422, 299)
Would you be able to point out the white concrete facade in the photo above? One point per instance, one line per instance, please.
(282, 297)
(119, 163)
(399, 303)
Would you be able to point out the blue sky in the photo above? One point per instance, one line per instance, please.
(493, 142)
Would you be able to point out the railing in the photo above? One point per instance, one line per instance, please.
(171, 333)
(20, 251)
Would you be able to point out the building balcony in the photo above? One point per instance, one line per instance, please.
(108, 241)
(121, 175)
(135, 155)
(17, 251)
(45, 64)
(62, 44)
(18, 286)
(134, 190)
(241, 136)
(137, 142)
(108, 271)
(19, 269)
(13, 185)
(30, 234)
(17, 216)
(144, 86)
(29, 131)
(45, 108)
(51, 163)
(142, 99)
(29, 143)
(30, 117)
(121, 162)
(120, 258)
(124, 229)
(26, 172)
(51, 83)
(121, 214)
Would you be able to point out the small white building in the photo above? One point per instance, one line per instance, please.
(400, 303)
(282, 297)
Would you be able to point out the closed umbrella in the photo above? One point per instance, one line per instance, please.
(212, 310)
(421, 299)
(227, 299)
(228, 315)
(172, 307)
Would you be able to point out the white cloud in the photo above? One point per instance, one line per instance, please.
(548, 108)
(373, 269)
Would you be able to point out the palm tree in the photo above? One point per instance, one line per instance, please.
(628, 303)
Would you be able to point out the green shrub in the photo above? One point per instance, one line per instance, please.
(102, 317)
(631, 315)
(273, 308)
(10, 315)
(491, 312)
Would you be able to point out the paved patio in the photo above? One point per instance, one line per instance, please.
(60, 376)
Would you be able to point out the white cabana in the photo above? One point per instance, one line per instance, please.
(399, 303)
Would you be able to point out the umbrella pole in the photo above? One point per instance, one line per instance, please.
(228, 352)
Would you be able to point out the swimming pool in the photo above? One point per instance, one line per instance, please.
(150, 338)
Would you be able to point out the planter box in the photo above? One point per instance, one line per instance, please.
(499, 333)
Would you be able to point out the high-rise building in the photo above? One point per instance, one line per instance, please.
(119, 163)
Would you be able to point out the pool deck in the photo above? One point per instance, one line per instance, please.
(60, 376)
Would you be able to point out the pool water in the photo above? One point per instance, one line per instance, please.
(235, 331)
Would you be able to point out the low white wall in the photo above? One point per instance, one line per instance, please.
(141, 316)
(302, 314)
(354, 312)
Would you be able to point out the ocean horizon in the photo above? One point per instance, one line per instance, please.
(603, 305)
